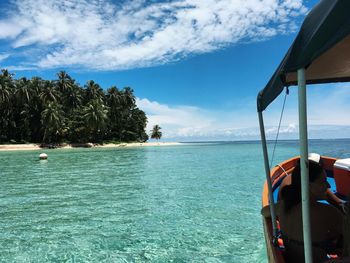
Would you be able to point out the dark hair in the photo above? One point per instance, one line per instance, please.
(291, 194)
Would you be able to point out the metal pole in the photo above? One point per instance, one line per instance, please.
(304, 165)
(267, 172)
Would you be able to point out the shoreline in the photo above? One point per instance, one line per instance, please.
(34, 146)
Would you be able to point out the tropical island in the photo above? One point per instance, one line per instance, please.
(54, 112)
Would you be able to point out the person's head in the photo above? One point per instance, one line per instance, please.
(318, 186)
(291, 194)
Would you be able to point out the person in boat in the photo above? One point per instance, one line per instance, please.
(330, 196)
(326, 221)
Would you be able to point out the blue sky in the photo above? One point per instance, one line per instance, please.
(196, 66)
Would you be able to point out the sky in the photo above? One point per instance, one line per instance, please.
(196, 66)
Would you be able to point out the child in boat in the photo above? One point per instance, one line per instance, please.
(326, 221)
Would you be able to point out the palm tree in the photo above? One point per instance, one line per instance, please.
(71, 93)
(156, 133)
(73, 98)
(41, 110)
(6, 104)
(48, 93)
(24, 121)
(5, 91)
(23, 91)
(95, 115)
(94, 91)
(34, 109)
(128, 98)
(114, 97)
(137, 125)
(37, 84)
(114, 102)
(52, 119)
(5, 73)
(64, 83)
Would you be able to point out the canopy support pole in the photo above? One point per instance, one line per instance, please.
(304, 165)
(267, 172)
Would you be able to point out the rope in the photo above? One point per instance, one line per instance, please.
(279, 126)
(284, 171)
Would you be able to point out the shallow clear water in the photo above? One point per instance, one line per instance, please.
(192, 203)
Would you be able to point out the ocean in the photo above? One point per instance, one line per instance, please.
(198, 202)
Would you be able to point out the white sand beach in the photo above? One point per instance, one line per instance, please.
(137, 144)
(25, 147)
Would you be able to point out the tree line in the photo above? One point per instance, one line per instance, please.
(55, 111)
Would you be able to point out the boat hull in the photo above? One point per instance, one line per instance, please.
(275, 255)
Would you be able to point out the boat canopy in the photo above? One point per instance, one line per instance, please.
(322, 47)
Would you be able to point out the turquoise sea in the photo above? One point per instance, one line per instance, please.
(199, 202)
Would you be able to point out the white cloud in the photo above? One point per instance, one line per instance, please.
(328, 118)
(330, 107)
(3, 56)
(177, 121)
(103, 35)
(289, 129)
(9, 29)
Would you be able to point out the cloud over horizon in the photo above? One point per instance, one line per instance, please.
(327, 118)
(103, 35)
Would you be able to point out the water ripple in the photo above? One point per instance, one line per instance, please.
(194, 203)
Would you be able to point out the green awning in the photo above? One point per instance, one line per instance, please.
(322, 47)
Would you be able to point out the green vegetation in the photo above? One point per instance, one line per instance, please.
(156, 133)
(38, 110)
